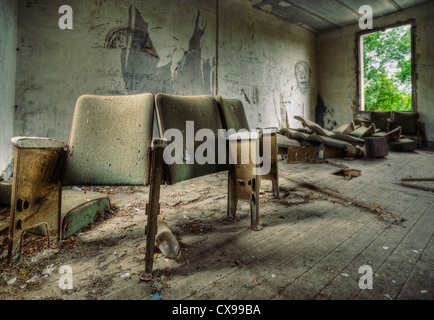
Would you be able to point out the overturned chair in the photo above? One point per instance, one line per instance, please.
(109, 145)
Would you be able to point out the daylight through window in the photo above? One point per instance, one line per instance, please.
(386, 69)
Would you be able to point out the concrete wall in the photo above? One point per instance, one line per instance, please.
(8, 40)
(174, 46)
(336, 64)
(256, 64)
(115, 47)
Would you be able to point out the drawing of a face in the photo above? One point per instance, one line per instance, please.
(302, 74)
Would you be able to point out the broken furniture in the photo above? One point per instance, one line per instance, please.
(197, 118)
(363, 132)
(362, 119)
(109, 145)
(36, 188)
(394, 132)
(376, 147)
(348, 173)
(381, 119)
(417, 186)
(403, 129)
(204, 113)
(335, 144)
(372, 123)
(411, 129)
(339, 135)
(234, 118)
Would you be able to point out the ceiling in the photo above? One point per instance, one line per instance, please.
(325, 15)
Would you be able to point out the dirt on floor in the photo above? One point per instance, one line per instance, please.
(219, 257)
(110, 252)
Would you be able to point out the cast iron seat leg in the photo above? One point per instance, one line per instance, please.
(243, 184)
(36, 189)
(232, 194)
(153, 207)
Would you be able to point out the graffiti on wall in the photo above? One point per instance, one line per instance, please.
(139, 61)
(302, 74)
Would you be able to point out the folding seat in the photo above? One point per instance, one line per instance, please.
(109, 144)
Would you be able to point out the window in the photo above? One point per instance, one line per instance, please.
(386, 69)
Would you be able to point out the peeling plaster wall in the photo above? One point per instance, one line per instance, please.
(8, 38)
(336, 61)
(115, 47)
(172, 46)
(257, 62)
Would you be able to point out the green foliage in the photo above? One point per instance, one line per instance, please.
(387, 69)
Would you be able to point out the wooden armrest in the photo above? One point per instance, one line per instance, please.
(244, 135)
(37, 142)
(252, 134)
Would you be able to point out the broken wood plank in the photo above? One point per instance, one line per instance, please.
(376, 210)
(337, 164)
(348, 172)
(414, 186)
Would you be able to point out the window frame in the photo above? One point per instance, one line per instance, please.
(359, 62)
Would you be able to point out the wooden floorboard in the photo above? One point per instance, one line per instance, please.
(306, 250)
(321, 259)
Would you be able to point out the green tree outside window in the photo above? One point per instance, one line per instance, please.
(387, 69)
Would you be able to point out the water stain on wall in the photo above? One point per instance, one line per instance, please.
(284, 122)
(320, 111)
(324, 115)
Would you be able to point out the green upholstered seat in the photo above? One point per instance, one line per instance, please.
(381, 119)
(233, 114)
(204, 113)
(109, 144)
(403, 145)
(285, 142)
(78, 209)
(314, 127)
(110, 140)
(327, 141)
(408, 121)
(345, 128)
(363, 132)
(234, 117)
(348, 138)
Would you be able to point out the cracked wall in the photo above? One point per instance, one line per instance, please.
(115, 48)
(257, 64)
(173, 46)
(8, 38)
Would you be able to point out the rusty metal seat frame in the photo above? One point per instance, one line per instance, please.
(41, 165)
(243, 180)
(97, 154)
(36, 189)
